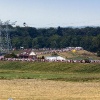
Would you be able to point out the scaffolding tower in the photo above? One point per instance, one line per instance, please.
(5, 41)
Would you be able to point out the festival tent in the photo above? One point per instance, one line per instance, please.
(55, 58)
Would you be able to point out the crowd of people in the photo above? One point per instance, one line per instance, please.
(44, 51)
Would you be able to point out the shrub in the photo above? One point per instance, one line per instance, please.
(98, 53)
(87, 60)
(12, 55)
(54, 54)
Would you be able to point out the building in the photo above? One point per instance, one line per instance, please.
(28, 54)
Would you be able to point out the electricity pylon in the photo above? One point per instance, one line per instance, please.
(5, 41)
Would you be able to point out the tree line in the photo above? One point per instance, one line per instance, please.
(31, 37)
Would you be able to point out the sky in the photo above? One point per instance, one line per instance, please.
(51, 13)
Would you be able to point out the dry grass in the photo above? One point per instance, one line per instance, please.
(48, 90)
(70, 55)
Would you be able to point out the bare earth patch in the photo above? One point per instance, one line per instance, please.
(24, 89)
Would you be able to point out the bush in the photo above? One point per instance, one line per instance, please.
(87, 60)
(98, 53)
(54, 54)
(12, 55)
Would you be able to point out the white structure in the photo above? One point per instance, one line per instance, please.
(55, 58)
(32, 53)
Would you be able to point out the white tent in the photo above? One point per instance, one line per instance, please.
(32, 54)
(55, 58)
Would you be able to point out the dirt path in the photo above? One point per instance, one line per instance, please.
(48, 90)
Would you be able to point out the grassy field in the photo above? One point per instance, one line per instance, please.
(33, 89)
(50, 71)
(49, 81)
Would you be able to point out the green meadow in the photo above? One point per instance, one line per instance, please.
(59, 71)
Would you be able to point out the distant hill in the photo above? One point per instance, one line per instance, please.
(80, 54)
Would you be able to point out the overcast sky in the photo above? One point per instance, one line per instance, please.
(51, 13)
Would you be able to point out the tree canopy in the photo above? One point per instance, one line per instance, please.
(31, 37)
